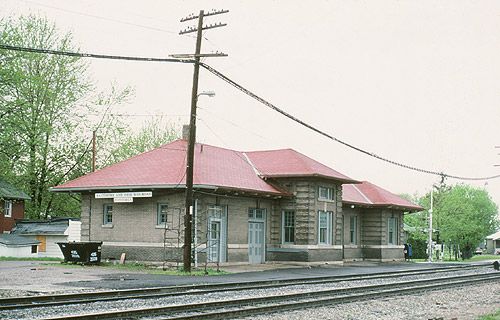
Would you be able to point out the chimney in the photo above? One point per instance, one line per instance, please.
(185, 132)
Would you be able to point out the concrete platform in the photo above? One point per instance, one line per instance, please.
(43, 277)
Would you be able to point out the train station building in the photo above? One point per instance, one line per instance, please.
(250, 207)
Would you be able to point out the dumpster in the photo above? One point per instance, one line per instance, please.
(81, 252)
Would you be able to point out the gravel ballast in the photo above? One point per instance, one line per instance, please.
(410, 307)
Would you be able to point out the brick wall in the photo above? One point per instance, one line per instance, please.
(7, 223)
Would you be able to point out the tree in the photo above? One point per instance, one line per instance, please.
(154, 133)
(462, 215)
(45, 101)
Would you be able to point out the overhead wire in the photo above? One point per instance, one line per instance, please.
(329, 136)
(93, 55)
(100, 17)
(256, 97)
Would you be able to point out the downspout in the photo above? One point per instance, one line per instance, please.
(342, 240)
(90, 214)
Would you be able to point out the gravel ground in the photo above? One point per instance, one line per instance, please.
(24, 278)
(390, 309)
(458, 303)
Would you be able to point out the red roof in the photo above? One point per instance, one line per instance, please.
(370, 195)
(290, 163)
(165, 167)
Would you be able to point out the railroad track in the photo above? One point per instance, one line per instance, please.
(233, 308)
(198, 289)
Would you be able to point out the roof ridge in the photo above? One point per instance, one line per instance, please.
(361, 193)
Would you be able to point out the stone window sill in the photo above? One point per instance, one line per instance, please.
(107, 226)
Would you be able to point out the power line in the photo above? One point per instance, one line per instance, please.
(92, 55)
(254, 96)
(142, 115)
(323, 133)
(100, 17)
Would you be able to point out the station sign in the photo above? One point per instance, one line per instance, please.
(123, 199)
(109, 195)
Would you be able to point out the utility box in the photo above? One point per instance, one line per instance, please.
(81, 252)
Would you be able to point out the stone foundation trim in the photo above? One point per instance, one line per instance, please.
(383, 246)
(310, 246)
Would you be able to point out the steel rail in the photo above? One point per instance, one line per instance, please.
(159, 292)
(247, 306)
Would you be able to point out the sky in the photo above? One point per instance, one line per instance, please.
(412, 81)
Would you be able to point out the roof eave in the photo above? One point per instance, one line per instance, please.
(379, 205)
(342, 180)
(172, 186)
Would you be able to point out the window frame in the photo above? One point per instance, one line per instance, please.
(287, 237)
(252, 213)
(328, 228)
(7, 208)
(330, 193)
(392, 240)
(159, 213)
(353, 229)
(106, 214)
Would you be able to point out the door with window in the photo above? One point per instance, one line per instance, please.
(217, 233)
(256, 235)
(214, 241)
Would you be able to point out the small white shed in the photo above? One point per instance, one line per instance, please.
(12, 245)
(493, 243)
(48, 233)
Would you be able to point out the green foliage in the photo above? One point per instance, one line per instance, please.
(494, 316)
(153, 134)
(45, 101)
(29, 259)
(462, 215)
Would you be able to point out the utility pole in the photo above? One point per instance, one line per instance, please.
(192, 124)
(94, 150)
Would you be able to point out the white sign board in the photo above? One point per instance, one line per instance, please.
(109, 195)
(123, 199)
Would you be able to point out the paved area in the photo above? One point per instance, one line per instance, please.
(35, 276)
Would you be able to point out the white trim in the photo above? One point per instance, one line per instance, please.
(237, 246)
(329, 228)
(8, 205)
(283, 227)
(107, 226)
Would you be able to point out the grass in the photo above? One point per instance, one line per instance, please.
(29, 259)
(493, 316)
(136, 266)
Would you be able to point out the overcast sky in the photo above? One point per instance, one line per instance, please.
(413, 81)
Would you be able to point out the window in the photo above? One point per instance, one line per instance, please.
(288, 226)
(324, 227)
(108, 214)
(215, 211)
(256, 214)
(34, 249)
(353, 229)
(392, 230)
(161, 216)
(325, 193)
(8, 209)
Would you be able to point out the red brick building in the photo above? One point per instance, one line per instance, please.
(11, 205)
